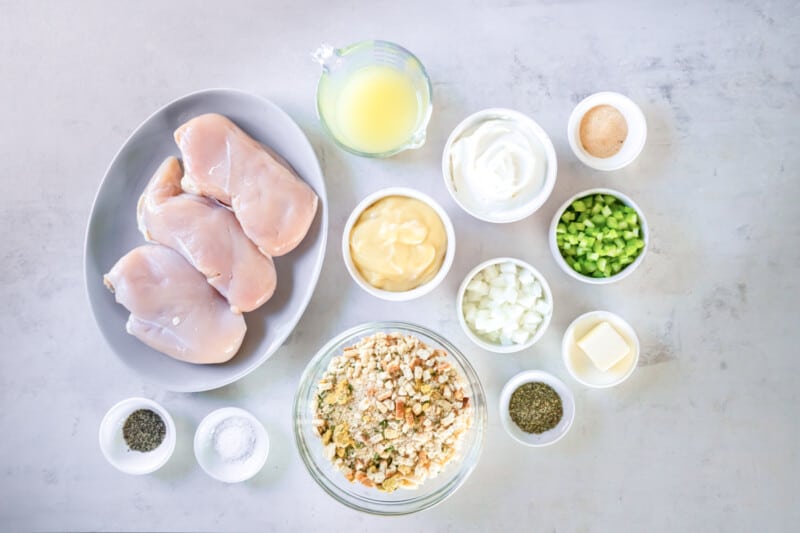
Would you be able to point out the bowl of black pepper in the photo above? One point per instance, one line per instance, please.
(536, 408)
(137, 436)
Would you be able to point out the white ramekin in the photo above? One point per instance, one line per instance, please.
(416, 292)
(634, 142)
(536, 200)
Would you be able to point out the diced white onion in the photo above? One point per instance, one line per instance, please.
(505, 304)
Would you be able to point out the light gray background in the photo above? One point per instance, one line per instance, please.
(702, 438)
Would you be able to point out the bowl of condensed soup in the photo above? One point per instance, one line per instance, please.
(398, 244)
(499, 165)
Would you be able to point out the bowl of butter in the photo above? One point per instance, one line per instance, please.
(398, 244)
(600, 349)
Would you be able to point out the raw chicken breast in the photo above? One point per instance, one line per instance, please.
(273, 205)
(208, 236)
(173, 309)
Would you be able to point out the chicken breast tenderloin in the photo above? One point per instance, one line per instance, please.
(208, 236)
(273, 205)
(173, 309)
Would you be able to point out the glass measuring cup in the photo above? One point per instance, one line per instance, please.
(338, 68)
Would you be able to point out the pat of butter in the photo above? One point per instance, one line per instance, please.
(604, 346)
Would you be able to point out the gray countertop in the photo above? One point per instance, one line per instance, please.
(704, 435)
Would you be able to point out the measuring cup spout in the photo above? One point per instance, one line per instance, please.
(417, 141)
(326, 56)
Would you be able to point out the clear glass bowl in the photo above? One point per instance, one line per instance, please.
(371, 500)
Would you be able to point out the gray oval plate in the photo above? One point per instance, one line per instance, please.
(112, 232)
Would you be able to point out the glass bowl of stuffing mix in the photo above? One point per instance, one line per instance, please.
(390, 418)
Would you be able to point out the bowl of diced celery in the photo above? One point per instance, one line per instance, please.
(599, 236)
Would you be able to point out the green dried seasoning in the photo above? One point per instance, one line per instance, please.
(144, 430)
(535, 407)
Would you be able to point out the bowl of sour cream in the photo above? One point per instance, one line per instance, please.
(499, 165)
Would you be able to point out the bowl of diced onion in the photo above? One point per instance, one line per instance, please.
(504, 305)
(599, 236)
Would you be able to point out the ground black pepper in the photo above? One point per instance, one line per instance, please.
(144, 430)
(535, 407)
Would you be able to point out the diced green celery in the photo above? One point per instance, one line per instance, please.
(606, 211)
(611, 199)
(599, 219)
(623, 224)
(588, 223)
(612, 222)
(594, 256)
(572, 228)
(602, 263)
(589, 266)
(561, 228)
(568, 216)
(580, 226)
(632, 219)
(578, 206)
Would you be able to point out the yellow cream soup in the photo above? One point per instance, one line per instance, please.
(398, 243)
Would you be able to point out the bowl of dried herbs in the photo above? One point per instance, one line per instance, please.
(536, 408)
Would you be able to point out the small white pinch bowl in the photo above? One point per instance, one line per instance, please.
(634, 142)
(490, 346)
(425, 288)
(578, 363)
(213, 465)
(548, 437)
(116, 450)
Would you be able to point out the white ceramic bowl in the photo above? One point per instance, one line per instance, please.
(567, 402)
(625, 272)
(116, 451)
(423, 289)
(578, 363)
(213, 465)
(537, 198)
(490, 346)
(634, 142)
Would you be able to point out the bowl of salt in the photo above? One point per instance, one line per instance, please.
(231, 445)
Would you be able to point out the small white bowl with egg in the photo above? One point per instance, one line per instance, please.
(499, 165)
(504, 305)
(590, 369)
(601, 131)
(439, 240)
